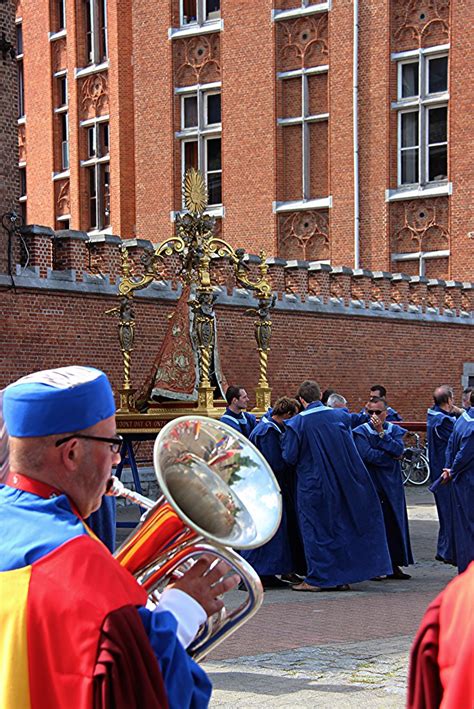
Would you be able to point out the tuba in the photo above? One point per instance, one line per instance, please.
(218, 494)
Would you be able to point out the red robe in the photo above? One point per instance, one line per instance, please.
(442, 656)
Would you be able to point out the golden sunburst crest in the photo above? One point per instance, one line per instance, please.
(195, 191)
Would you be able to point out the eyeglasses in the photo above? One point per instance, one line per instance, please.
(374, 412)
(115, 443)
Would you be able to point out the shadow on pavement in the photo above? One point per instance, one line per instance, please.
(235, 681)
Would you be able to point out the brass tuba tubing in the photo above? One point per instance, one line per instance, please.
(218, 492)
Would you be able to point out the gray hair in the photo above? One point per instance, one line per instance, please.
(336, 401)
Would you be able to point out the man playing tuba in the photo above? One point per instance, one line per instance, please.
(74, 628)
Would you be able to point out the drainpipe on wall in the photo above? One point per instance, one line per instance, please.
(355, 130)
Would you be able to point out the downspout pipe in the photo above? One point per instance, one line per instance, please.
(355, 131)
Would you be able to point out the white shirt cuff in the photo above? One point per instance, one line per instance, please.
(189, 614)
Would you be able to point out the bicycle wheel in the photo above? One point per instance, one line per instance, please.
(419, 470)
(405, 468)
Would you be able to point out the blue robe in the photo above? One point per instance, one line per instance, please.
(340, 514)
(460, 460)
(103, 522)
(439, 426)
(275, 556)
(245, 422)
(380, 456)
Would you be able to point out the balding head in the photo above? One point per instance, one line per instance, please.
(443, 396)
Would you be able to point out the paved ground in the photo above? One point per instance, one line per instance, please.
(332, 649)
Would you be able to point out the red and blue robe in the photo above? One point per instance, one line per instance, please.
(73, 627)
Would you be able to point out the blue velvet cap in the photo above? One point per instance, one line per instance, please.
(60, 400)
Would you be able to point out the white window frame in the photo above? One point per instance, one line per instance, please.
(93, 13)
(99, 163)
(421, 257)
(203, 131)
(304, 120)
(422, 103)
(201, 20)
(305, 8)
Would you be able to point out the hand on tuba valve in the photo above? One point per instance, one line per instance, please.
(219, 494)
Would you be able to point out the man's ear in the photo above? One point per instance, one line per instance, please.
(70, 454)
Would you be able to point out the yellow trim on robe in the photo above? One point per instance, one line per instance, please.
(14, 681)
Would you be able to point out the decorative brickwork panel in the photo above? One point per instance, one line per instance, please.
(63, 205)
(197, 60)
(94, 94)
(420, 225)
(291, 185)
(304, 236)
(419, 23)
(319, 159)
(58, 49)
(22, 143)
(302, 42)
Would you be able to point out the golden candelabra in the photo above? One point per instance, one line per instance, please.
(196, 245)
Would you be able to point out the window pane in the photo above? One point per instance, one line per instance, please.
(19, 39)
(438, 163)
(214, 108)
(190, 155)
(438, 125)
(409, 166)
(103, 129)
(438, 75)
(214, 154)
(190, 112)
(409, 129)
(91, 142)
(214, 188)
(105, 190)
(410, 80)
(189, 11)
(61, 14)
(23, 182)
(213, 9)
(92, 199)
(62, 84)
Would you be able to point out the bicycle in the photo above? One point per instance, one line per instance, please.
(414, 463)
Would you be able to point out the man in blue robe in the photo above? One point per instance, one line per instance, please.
(379, 390)
(276, 556)
(459, 474)
(381, 446)
(340, 514)
(337, 401)
(439, 427)
(236, 414)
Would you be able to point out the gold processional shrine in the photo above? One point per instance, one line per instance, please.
(194, 245)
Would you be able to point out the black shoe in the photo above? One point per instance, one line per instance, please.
(272, 582)
(398, 575)
(292, 578)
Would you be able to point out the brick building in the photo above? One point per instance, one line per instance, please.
(334, 135)
(328, 131)
(9, 175)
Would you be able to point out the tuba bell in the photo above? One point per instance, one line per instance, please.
(218, 494)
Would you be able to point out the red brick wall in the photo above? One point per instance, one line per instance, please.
(401, 355)
(154, 120)
(248, 125)
(461, 134)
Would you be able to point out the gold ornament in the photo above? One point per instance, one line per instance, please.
(195, 191)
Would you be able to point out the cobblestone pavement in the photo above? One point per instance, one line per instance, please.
(333, 649)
